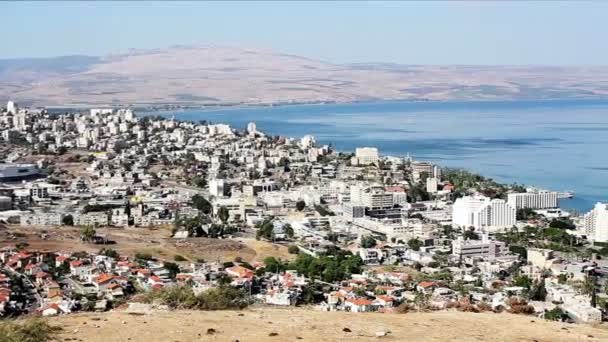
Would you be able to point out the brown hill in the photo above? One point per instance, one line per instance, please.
(279, 324)
(220, 75)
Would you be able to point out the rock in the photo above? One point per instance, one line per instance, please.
(76, 331)
(95, 319)
(346, 330)
(211, 331)
(139, 308)
(273, 334)
(241, 314)
(123, 322)
(381, 333)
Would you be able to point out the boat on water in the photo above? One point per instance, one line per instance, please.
(565, 194)
(16, 172)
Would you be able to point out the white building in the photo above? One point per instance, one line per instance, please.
(365, 156)
(595, 223)
(216, 187)
(431, 185)
(251, 128)
(482, 212)
(418, 168)
(533, 200)
(11, 107)
(484, 248)
(41, 219)
(307, 142)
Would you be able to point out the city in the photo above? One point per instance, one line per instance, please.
(86, 194)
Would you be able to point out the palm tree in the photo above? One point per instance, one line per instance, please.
(588, 287)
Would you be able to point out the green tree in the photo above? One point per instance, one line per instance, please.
(300, 205)
(415, 244)
(288, 229)
(173, 269)
(109, 253)
(68, 220)
(87, 233)
(223, 214)
(470, 234)
(556, 314)
(202, 204)
(523, 281)
(368, 241)
(538, 291)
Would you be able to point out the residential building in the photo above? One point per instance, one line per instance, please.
(482, 212)
(533, 200)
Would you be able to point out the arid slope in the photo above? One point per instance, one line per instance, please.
(278, 324)
(221, 75)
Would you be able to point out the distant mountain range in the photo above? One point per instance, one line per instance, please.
(193, 76)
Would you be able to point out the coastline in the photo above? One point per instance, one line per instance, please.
(146, 109)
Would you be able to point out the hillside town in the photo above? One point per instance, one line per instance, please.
(363, 232)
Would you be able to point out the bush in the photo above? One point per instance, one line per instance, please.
(556, 314)
(183, 297)
(293, 249)
(143, 256)
(178, 257)
(519, 306)
(29, 331)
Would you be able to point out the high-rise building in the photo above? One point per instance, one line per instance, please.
(365, 156)
(251, 128)
(533, 200)
(482, 212)
(595, 223)
(431, 185)
(11, 107)
(419, 168)
(216, 187)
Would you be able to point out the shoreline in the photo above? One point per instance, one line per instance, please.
(156, 108)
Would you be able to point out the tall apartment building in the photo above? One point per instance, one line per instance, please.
(533, 200)
(595, 223)
(365, 156)
(481, 212)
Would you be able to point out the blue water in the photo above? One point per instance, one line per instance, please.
(559, 145)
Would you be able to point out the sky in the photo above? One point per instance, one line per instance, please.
(432, 32)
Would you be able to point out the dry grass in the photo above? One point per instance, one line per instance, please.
(156, 242)
(257, 324)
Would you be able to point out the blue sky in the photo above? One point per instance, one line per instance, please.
(402, 32)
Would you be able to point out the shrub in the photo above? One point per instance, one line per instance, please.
(143, 256)
(293, 249)
(403, 308)
(178, 257)
(183, 297)
(35, 330)
(519, 306)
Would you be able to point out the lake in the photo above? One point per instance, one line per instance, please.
(558, 145)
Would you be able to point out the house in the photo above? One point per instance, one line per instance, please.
(53, 309)
(383, 301)
(358, 305)
(102, 281)
(239, 272)
(426, 287)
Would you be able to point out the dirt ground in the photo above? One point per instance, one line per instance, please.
(156, 242)
(279, 324)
